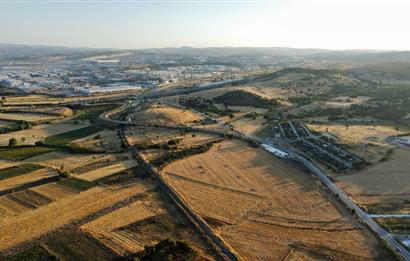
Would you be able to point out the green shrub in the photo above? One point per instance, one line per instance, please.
(12, 142)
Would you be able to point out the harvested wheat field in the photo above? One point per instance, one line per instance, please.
(22, 228)
(280, 207)
(9, 207)
(103, 228)
(382, 185)
(53, 191)
(107, 170)
(145, 222)
(36, 175)
(38, 133)
(165, 115)
(69, 161)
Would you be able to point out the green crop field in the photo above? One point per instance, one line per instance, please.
(23, 152)
(67, 137)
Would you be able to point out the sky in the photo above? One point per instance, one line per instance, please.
(135, 24)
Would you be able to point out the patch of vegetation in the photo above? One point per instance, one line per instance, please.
(76, 184)
(21, 125)
(69, 136)
(179, 154)
(122, 177)
(37, 253)
(244, 98)
(18, 170)
(90, 114)
(206, 106)
(23, 152)
(166, 250)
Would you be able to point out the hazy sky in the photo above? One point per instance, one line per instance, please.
(348, 24)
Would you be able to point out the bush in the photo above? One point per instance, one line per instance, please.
(12, 142)
(173, 142)
(39, 143)
(167, 249)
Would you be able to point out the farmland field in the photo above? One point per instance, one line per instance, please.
(53, 191)
(380, 188)
(29, 117)
(14, 171)
(19, 180)
(273, 208)
(144, 222)
(37, 133)
(23, 152)
(56, 159)
(107, 170)
(69, 136)
(19, 229)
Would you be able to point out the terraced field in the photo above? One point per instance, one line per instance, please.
(266, 209)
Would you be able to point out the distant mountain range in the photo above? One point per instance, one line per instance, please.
(349, 58)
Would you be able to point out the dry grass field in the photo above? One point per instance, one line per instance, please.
(248, 125)
(32, 99)
(29, 117)
(367, 141)
(22, 228)
(38, 133)
(165, 115)
(382, 187)
(107, 170)
(107, 140)
(264, 208)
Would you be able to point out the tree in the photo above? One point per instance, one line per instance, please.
(167, 249)
(12, 142)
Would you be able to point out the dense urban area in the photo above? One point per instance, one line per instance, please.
(204, 154)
